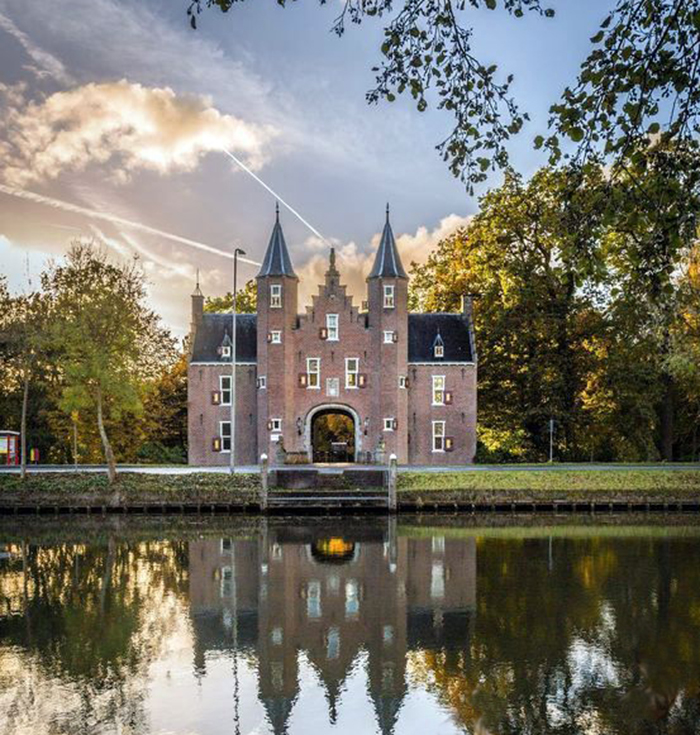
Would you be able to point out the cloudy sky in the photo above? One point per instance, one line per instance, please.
(114, 114)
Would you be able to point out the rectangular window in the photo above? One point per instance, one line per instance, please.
(225, 434)
(402, 381)
(225, 388)
(332, 327)
(389, 424)
(275, 296)
(439, 351)
(388, 297)
(438, 390)
(313, 599)
(388, 337)
(352, 371)
(313, 372)
(226, 351)
(262, 382)
(275, 425)
(438, 436)
(276, 337)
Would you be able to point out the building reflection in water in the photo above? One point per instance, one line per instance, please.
(331, 593)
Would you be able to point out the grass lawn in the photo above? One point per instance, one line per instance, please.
(92, 487)
(562, 482)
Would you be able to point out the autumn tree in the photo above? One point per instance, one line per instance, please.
(531, 256)
(246, 300)
(108, 341)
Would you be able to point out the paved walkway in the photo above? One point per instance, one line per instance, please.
(187, 470)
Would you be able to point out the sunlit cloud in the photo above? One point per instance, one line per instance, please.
(123, 127)
(355, 264)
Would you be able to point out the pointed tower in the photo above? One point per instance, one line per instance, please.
(277, 316)
(387, 296)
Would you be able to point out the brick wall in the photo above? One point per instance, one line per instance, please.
(459, 417)
(203, 417)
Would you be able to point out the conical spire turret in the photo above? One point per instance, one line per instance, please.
(387, 264)
(277, 261)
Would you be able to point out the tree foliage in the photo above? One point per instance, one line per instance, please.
(108, 341)
(246, 300)
(583, 303)
(640, 79)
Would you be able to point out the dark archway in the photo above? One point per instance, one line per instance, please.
(333, 436)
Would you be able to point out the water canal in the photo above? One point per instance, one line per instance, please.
(135, 626)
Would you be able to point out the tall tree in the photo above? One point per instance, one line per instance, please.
(532, 257)
(109, 341)
(655, 205)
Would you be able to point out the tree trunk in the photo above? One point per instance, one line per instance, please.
(109, 454)
(23, 427)
(667, 417)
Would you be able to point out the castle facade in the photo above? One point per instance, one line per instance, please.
(336, 382)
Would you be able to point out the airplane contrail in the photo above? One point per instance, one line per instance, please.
(277, 196)
(114, 219)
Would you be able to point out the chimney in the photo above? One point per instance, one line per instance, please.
(197, 310)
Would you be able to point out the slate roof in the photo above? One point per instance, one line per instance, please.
(454, 331)
(387, 264)
(277, 261)
(422, 332)
(212, 331)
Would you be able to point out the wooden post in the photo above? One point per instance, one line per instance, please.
(392, 483)
(264, 472)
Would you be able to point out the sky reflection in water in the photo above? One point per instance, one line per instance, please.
(349, 627)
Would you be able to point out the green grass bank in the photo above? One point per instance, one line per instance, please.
(416, 489)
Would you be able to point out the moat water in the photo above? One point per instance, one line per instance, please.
(349, 626)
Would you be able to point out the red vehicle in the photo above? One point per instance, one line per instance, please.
(9, 447)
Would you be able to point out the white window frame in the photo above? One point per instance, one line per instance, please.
(439, 351)
(262, 382)
(389, 423)
(349, 373)
(225, 438)
(389, 296)
(332, 330)
(402, 381)
(275, 426)
(223, 390)
(439, 391)
(225, 350)
(388, 336)
(315, 373)
(275, 296)
(275, 337)
(439, 436)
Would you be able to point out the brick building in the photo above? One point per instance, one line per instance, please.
(335, 382)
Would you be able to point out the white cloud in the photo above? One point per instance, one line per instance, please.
(125, 125)
(354, 265)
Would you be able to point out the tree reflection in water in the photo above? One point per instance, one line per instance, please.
(508, 631)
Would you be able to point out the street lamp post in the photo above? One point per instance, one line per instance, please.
(232, 455)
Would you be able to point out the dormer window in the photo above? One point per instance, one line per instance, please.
(226, 351)
(438, 347)
(388, 296)
(275, 296)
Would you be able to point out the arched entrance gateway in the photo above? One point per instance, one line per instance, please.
(332, 434)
